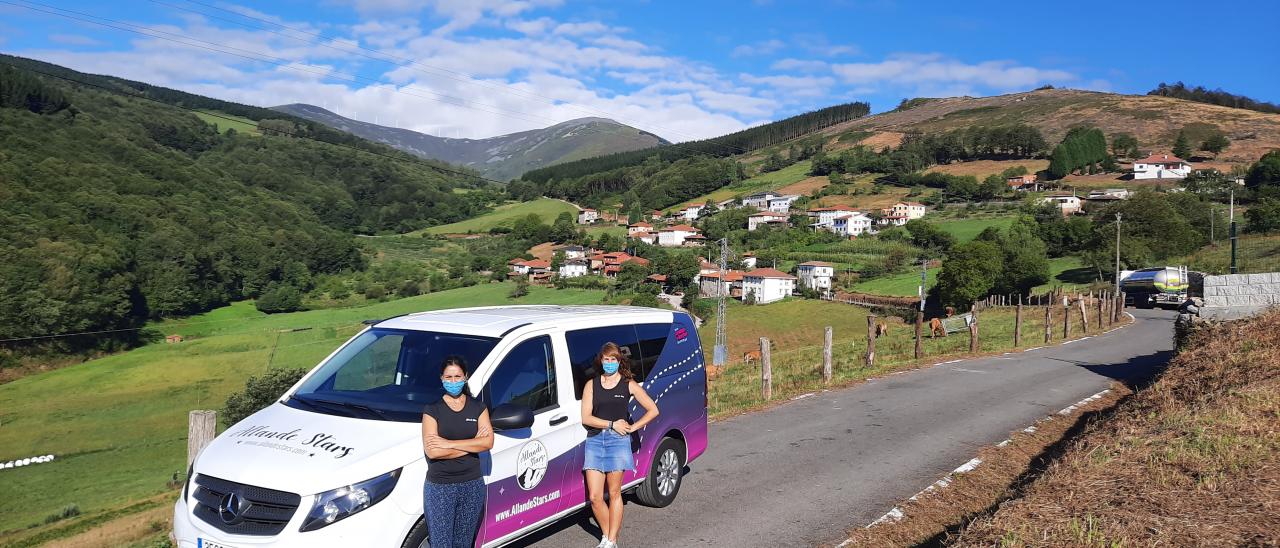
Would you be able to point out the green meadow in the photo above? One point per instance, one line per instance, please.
(505, 215)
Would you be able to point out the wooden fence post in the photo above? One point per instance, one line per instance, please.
(871, 340)
(1048, 323)
(1017, 324)
(1100, 318)
(1066, 321)
(766, 370)
(826, 357)
(1084, 316)
(919, 328)
(202, 426)
(973, 330)
(1119, 306)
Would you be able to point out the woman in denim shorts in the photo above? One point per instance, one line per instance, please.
(605, 400)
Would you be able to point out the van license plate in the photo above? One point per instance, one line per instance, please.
(205, 543)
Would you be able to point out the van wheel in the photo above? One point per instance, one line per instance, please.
(662, 484)
(418, 537)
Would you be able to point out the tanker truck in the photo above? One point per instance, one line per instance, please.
(1163, 286)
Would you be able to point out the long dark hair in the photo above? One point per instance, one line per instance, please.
(461, 363)
(624, 363)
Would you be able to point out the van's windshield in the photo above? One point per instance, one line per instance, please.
(387, 374)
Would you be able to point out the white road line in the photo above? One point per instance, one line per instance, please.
(969, 370)
(802, 396)
(968, 466)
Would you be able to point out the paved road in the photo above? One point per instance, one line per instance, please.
(805, 472)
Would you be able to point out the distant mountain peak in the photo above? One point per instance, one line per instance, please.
(503, 157)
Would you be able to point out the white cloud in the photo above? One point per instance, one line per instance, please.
(800, 65)
(73, 40)
(766, 47)
(936, 69)
(804, 86)
(580, 29)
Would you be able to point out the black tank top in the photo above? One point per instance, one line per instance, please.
(455, 425)
(611, 404)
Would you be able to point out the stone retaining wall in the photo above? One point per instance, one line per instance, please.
(1239, 295)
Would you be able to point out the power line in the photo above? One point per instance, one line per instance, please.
(457, 75)
(287, 64)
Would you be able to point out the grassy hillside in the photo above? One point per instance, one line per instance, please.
(1154, 120)
(968, 229)
(773, 180)
(226, 121)
(545, 208)
(118, 424)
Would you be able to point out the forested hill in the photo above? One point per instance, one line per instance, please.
(115, 208)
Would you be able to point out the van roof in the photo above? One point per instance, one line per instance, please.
(496, 321)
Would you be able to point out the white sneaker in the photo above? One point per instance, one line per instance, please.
(604, 543)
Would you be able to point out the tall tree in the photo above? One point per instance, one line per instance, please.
(1181, 146)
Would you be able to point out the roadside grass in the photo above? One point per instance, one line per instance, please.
(797, 354)
(118, 424)
(220, 119)
(1191, 460)
(505, 215)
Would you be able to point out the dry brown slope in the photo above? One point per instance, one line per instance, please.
(1154, 120)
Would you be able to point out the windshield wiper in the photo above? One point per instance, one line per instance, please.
(349, 405)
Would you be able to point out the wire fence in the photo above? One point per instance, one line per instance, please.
(1254, 253)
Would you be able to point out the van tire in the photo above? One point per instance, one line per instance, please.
(418, 536)
(666, 472)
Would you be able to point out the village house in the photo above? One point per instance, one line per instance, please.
(759, 200)
(609, 264)
(749, 260)
(767, 285)
(782, 204)
(646, 237)
(531, 268)
(851, 224)
(713, 284)
(1065, 203)
(825, 216)
(1161, 166)
(587, 216)
(1110, 194)
(691, 213)
(766, 217)
(572, 268)
(726, 204)
(574, 251)
(655, 216)
(910, 210)
(816, 275)
(1023, 182)
(676, 236)
(640, 226)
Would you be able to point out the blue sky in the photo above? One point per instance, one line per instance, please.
(684, 70)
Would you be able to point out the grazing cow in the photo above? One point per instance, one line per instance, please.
(749, 356)
(881, 329)
(935, 328)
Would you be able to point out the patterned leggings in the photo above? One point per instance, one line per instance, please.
(453, 512)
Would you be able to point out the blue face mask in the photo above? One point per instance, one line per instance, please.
(453, 387)
(610, 367)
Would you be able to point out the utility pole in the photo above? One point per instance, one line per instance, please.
(720, 355)
(1232, 217)
(924, 274)
(1117, 253)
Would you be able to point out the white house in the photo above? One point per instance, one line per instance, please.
(825, 216)
(588, 216)
(782, 204)
(640, 226)
(910, 210)
(1161, 166)
(1067, 204)
(765, 217)
(646, 237)
(749, 260)
(574, 252)
(759, 200)
(850, 224)
(691, 213)
(816, 275)
(675, 236)
(573, 268)
(714, 284)
(1109, 194)
(767, 285)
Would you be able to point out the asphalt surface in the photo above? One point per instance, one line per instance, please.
(805, 472)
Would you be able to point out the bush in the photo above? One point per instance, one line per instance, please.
(68, 511)
(281, 298)
(645, 299)
(259, 392)
(521, 289)
(408, 289)
(375, 292)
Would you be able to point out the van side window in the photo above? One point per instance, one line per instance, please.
(584, 344)
(526, 376)
(653, 338)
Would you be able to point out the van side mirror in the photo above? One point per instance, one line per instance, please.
(511, 416)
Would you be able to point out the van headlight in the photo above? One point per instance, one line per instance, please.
(338, 504)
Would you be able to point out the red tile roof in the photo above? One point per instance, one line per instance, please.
(729, 276)
(537, 263)
(1161, 159)
(816, 263)
(769, 273)
(657, 277)
(683, 228)
(834, 208)
(640, 224)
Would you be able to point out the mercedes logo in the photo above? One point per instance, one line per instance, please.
(232, 507)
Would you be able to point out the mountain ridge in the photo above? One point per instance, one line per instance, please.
(501, 157)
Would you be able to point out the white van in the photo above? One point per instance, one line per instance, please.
(338, 461)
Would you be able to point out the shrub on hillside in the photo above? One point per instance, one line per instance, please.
(645, 299)
(282, 298)
(259, 392)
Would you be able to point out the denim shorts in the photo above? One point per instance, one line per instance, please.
(608, 451)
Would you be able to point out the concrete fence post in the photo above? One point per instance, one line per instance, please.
(973, 330)
(766, 370)
(202, 426)
(1100, 316)
(1048, 323)
(826, 357)
(1084, 316)
(919, 329)
(871, 340)
(1017, 323)
(1066, 322)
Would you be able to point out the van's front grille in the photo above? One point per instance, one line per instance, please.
(242, 509)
